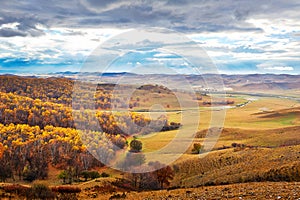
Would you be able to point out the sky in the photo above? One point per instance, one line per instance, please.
(240, 37)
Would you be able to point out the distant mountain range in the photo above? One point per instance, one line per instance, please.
(265, 83)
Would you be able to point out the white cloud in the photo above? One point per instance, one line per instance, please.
(10, 25)
(281, 68)
(56, 44)
(162, 55)
(277, 43)
(277, 67)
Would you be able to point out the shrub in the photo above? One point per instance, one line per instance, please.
(29, 175)
(104, 174)
(234, 144)
(90, 174)
(136, 145)
(197, 148)
(41, 191)
(63, 175)
(94, 174)
(85, 175)
(67, 176)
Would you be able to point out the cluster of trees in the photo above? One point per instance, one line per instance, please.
(68, 176)
(132, 123)
(158, 179)
(22, 110)
(37, 128)
(209, 102)
(158, 176)
(224, 102)
(57, 90)
(27, 151)
(60, 91)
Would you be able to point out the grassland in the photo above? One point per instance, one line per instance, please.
(258, 123)
(266, 129)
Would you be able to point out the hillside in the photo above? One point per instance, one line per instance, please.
(239, 164)
(287, 136)
(46, 137)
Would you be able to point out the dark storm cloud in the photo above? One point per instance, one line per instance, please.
(185, 16)
(26, 24)
(8, 32)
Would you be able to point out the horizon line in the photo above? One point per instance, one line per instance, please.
(78, 72)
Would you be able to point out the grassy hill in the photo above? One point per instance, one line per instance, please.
(236, 165)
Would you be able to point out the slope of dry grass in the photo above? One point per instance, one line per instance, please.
(264, 138)
(239, 165)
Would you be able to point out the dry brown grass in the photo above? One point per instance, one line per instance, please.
(239, 165)
(254, 137)
(255, 190)
(251, 191)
